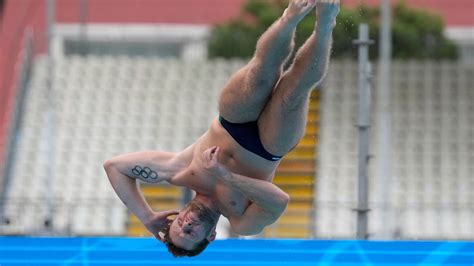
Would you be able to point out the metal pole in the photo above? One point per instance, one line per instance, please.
(50, 128)
(14, 131)
(363, 124)
(384, 121)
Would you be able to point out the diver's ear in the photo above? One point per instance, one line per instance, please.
(212, 236)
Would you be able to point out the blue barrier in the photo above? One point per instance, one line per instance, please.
(16, 251)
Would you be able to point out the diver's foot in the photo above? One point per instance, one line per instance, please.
(298, 9)
(326, 13)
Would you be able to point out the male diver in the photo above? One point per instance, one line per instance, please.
(262, 116)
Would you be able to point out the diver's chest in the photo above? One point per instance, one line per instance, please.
(232, 202)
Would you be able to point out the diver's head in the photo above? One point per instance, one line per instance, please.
(191, 231)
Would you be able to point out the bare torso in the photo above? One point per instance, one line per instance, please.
(236, 159)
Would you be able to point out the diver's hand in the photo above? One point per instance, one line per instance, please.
(158, 221)
(209, 157)
(212, 165)
(326, 13)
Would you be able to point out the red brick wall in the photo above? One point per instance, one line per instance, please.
(152, 11)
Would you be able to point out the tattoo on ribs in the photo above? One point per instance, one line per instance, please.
(144, 172)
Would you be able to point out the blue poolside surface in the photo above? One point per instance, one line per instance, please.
(147, 251)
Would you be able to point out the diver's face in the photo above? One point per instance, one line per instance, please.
(186, 231)
(192, 225)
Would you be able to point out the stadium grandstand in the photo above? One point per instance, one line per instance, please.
(129, 75)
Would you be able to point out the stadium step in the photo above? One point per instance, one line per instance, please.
(313, 117)
(299, 205)
(162, 197)
(309, 141)
(138, 231)
(281, 231)
(161, 191)
(312, 128)
(301, 153)
(299, 218)
(303, 180)
(297, 164)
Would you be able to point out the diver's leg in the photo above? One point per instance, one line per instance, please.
(283, 121)
(246, 93)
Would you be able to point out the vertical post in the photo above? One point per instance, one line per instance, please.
(14, 130)
(50, 128)
(363, 125)
(384, 121)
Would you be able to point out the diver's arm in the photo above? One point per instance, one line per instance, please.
(267, 196)
(124, 171)
(148, 166)
(268, 201)
(127, 190)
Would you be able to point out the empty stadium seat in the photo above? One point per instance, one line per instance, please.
(432, 109)
(105, 106)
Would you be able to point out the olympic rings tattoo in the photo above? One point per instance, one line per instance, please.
(144, 172)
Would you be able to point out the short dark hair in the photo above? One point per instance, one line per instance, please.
(181, 252)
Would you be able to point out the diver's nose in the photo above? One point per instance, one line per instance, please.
(187, 224)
